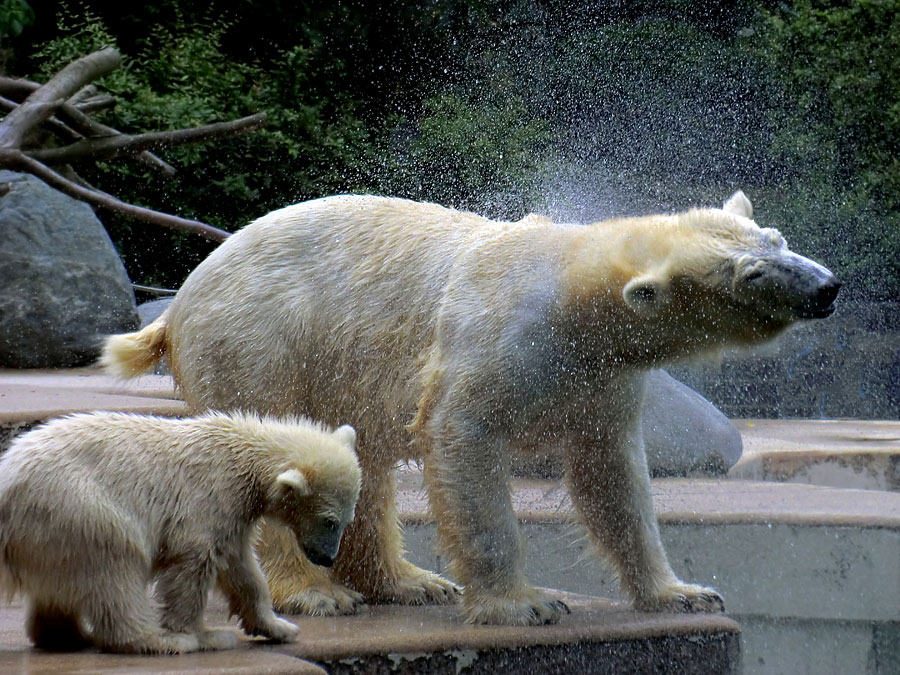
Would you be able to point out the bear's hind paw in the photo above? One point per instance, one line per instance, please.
(527, 607)
(684, 598)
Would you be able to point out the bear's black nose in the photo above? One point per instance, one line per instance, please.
(828, 292)
(820, 303)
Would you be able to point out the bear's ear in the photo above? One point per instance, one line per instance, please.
(294, 480)
(347, 435)
(646, 295)
(739, 205)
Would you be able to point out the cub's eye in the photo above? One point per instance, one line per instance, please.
(330, 523)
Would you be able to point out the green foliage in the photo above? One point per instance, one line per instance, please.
(15, 16)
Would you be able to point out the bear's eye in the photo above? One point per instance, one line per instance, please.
(753, 276)
(330, 523)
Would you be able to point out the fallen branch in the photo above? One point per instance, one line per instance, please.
(43, 102)
(61, 104)
(110, 147)
(18, 160)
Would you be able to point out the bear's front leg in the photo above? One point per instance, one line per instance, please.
(468, 487)
(610, 487)
(244, 584)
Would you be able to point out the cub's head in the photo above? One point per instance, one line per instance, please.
(728, 281)
(315, 493)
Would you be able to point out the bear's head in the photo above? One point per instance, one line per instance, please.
(714, 277)
(316, 493)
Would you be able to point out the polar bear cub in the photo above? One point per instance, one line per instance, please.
(95, 506)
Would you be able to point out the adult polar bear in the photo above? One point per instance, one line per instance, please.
(442, 335)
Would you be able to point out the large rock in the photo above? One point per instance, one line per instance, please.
(684, 435)
(64, 286)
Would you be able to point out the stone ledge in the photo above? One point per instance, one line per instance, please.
(599, 636)
(839, 453)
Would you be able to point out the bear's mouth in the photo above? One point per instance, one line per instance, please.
(815, 312)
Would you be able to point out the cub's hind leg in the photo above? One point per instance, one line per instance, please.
(49, 626)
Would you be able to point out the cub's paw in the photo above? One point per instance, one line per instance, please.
(415, 586)
(318, 599)
(218, 639)
(524, 607)
(685, 598)
(277, 630)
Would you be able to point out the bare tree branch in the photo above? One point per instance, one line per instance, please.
(99, 102)
(56, 125)
(78, 120)
(110, 147)
(16, 159)
(41, 103)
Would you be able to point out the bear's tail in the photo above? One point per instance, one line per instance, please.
(130, 354)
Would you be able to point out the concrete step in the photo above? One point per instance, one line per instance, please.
(599, 636)
(841, 453)
(29, 397)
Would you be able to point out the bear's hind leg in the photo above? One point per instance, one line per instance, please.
(371, 559)
(53, 628)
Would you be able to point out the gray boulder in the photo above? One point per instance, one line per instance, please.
(64, 286)
(684, 435)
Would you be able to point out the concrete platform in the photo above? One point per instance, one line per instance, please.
(842, 453)
(29, 397)
(599, 636)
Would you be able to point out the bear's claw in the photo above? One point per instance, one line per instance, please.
(684, 598)
(420, 587)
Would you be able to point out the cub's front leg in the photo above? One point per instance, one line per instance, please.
(468, 488)
(242, 581)
(610, 487)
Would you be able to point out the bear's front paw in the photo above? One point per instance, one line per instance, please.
(524, 607)
(415, 586)
(685, 598)
(319, 599)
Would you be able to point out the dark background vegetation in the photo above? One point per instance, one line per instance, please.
(581, 110)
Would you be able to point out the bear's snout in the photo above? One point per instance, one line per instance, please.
(800, 287)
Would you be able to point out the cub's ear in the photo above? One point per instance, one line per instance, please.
(293, 479)
(347, 435)
(739, 205)
(646, 295)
